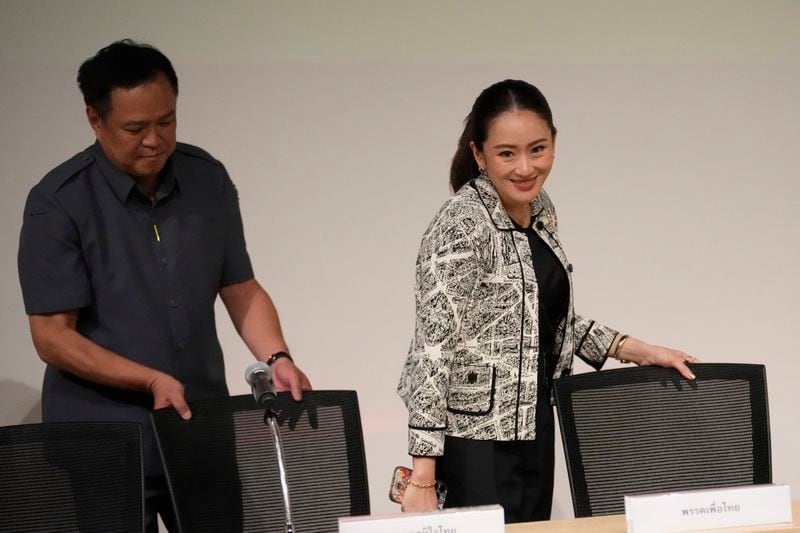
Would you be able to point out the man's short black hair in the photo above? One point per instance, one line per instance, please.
(123, 64)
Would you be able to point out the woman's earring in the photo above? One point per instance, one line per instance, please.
(483, 173)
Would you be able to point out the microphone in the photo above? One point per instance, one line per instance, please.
(259, 376)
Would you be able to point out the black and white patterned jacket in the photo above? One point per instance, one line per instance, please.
(471, 371)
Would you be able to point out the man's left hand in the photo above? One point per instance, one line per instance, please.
(287, 376)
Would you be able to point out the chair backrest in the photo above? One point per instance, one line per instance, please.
(223, 473)
(70, 477)
(647, 430)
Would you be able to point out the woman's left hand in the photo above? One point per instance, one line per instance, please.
(644, 354)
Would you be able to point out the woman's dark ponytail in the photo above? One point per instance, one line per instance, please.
(463, 168)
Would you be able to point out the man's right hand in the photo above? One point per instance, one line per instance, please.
(59, 344)
(168, 392)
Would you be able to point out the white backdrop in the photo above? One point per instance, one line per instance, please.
(676, 179)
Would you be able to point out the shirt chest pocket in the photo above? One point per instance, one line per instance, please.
(202, 248)
(471, 390)
(206, 227)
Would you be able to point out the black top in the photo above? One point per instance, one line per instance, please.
(553, 294)
(144, 275)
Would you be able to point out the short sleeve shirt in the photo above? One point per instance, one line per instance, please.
(144, 275)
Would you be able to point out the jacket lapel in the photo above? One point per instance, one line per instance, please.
(539, 213)
(491, 201)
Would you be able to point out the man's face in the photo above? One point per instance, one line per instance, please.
(138, 133)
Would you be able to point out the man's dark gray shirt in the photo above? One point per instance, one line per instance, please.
(143, 274)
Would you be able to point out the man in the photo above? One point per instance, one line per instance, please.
(123, 251)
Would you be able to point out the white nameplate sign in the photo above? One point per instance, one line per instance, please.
(709, 509)
(484, 519)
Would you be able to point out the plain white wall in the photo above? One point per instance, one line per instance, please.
(676, 178)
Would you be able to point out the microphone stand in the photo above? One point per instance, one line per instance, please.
(259, 376)
(270, 420)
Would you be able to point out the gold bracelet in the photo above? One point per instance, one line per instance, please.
(618, 349)
(421, 485)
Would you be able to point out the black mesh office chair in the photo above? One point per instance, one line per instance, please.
(222, 468)
(647, 430)
(71, 477)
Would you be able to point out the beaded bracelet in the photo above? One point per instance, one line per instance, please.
(421, 485)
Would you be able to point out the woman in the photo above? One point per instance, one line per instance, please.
(495, 320)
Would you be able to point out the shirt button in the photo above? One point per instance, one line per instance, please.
(569, 267)
(164, 261)
(539, 225)
(173, 303)
(181, 345)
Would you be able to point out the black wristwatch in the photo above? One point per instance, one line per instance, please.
(277, 355)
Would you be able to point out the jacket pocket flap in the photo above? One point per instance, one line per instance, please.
(471, 389)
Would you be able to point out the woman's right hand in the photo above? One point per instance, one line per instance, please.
(417, 500)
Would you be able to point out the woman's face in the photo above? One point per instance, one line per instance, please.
(517, 155)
